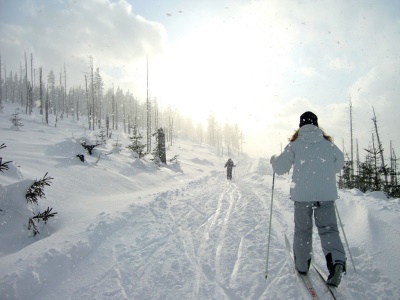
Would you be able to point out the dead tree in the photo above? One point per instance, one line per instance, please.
(1, 90)
(380, 148)
(148, 112)
(41, 91)
(351, 140)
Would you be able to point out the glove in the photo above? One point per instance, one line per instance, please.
(272, 159)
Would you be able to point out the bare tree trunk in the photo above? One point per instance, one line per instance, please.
(156, 115)
(21, 97)
(351, 141)
(77, 103)
(87, 103)
(61, 97)
(92, 89)
(41, 91)
(46, 108)
(357, 158)
(65, 88)
(5, 85)
(116, 114)
(113, 109)
(32, 87)
(1, 86)
(124, 117)
(391, 164)
(5, 82)
(108, 125)
(171, 129)
(26, 85)
(376, 173)
(380, 149)
(30, 99)
(148, 113)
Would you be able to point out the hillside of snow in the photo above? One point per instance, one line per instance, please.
(127, 229)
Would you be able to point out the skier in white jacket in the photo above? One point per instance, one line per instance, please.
(315, 160)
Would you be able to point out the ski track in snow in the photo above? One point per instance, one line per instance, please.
(204, 240)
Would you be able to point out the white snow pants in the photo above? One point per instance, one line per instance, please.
(325, 221)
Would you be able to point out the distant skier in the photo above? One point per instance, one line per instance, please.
(315, 160)
(229, 165)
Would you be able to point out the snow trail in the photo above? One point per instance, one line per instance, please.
(205, 240)
(192, 235)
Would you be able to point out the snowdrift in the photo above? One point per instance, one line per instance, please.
(128, 229)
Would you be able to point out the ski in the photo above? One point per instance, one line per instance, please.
(323, 275)
(304, 278)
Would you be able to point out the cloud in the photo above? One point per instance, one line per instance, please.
(378, 88)
(309, 72)
(340, 63)
(260, 62)
(71, 31)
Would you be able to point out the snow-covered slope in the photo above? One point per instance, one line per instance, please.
(126, 229)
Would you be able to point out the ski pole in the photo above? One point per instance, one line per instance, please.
(270, 222)
(345, 238)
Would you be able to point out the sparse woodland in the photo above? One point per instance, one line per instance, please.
(107, 109)
(104, 111)
(376, 170)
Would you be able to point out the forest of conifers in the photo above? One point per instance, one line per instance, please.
(108, 109)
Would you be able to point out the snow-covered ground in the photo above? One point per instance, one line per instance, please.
(126, 229)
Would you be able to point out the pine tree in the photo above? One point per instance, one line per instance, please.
(369, 178)
(16, 120)
(394, 190)
(36, 191)
(102, 136)
(346, 179)
(137, 145)
(364, 180)
(159, 155)
(117, 146)
(3, 165)
(44, 216)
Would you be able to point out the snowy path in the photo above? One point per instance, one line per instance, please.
(126, 229)
(206, 239)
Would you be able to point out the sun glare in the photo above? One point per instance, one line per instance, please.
(233, 72)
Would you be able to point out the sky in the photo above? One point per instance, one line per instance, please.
(128, 229)
(260, 64)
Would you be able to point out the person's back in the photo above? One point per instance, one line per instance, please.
(229, 165)
(315, 160)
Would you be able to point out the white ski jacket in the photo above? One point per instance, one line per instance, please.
(315, 163)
